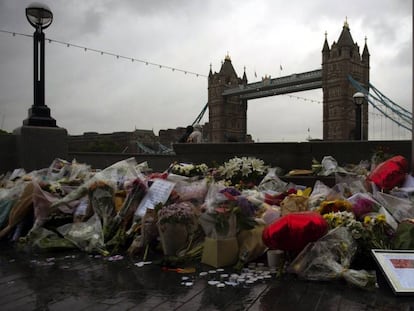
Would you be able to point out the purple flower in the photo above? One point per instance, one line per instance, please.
(362, 206)
(230, 190)
(246, 207)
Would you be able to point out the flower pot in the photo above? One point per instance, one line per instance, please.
(174, 237)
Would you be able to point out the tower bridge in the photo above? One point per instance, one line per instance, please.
(228, 94)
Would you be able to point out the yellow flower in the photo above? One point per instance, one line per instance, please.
(367, 220)
(381, 219)
(304, 193)
(328, 216)
(334, 206)
(338, 222)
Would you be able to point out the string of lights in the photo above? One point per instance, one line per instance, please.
(117, 56)
(133, 59)
(304, 98)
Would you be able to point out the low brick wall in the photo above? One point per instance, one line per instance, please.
(288, 156)
(8, 153)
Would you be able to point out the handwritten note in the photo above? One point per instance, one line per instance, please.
(159, 192)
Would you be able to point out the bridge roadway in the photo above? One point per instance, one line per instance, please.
(283, 85)
(78, 281)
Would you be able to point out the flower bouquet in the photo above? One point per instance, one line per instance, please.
(189, 169)
(226, 212)
(124, 217)
(20, 209)
(87, 236)
(101, 197)
(176, 223)
(329, 258)
(243, 173)
(372, 232)
(296, 202)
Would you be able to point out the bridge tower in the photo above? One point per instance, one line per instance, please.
(227, 114)
(339, 61)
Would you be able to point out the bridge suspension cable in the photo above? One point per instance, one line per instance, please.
(392, 111)
(200, 115)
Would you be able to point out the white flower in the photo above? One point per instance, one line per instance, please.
(257, 165)
(245, 169)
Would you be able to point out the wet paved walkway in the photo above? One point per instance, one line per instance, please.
(78, 281)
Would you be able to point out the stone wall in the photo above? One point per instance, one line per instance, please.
(288, 156)
(8, 152)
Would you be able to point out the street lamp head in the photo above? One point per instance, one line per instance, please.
(39, 15)
(359, 98)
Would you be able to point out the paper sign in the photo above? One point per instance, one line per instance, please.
(159, 192)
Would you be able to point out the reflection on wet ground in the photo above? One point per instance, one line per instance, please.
(78, 281)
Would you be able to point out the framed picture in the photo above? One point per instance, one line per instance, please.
(398, 268)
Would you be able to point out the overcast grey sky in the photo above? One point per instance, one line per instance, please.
(87, 91)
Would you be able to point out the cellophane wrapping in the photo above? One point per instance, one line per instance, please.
(330, 258)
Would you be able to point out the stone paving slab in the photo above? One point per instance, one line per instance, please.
(78, 281)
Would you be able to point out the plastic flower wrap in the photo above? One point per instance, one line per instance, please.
(295, 202)
(330, 166)
(319, 194)
(329, 258)
(42, 238)
(115, 174)
(372, 232)
(20, 210)
(226, 212)
(8, 198)
(101, 197)
(251, 244)
(272, 182)
(349, 185)
(123, 218)
(194, 191)
(58, 169)
(362, 204)
(244, 172)
(42, 201)
(87, 236)
(400, 208)
(277, 198)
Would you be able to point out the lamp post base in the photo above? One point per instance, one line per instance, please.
(38, 146)
(40, 116)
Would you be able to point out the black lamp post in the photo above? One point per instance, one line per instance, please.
(359, 101)
(40, 17)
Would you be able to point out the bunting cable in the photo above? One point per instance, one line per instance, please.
(304, 98)
(132, 59)
(118, 56)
